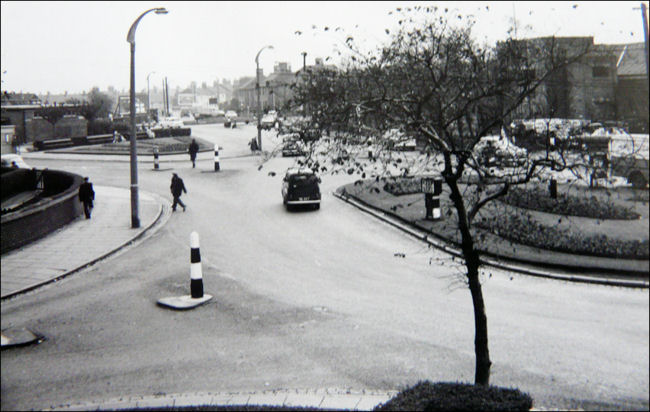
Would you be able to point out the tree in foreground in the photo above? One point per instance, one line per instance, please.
(433, 82)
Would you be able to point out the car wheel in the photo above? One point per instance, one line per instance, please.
(317, 206)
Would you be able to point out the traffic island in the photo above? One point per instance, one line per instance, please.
(197, 297)
(183, 302)
(19, 337)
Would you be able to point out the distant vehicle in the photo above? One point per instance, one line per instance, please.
(300, 187)
(397, 140)
(14, 160)
(231, 115)
(498, 150)
(292, 147)
(268, 120)
(173, 122)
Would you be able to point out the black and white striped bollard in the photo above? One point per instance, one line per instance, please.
(196, 272)
(216, 157)
(196, 297)
(156, 165)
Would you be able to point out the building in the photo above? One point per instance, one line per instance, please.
(275, 89)
(608, 83)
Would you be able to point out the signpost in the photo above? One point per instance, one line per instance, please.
(432, 188)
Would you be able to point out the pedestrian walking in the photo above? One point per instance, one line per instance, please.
(177, 187)
(86, 196)
(194, 149)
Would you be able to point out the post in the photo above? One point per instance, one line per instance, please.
(135, 219)
(156, 166)
(216, 157)
(196, 272)
(552, 188)
(259, 107)
(432, 189)
(130, 38)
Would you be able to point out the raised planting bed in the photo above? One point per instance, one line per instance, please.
(595, 207)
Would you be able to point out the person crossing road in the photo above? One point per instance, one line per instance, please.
(177, 188)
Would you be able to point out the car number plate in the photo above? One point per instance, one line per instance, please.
(303, 198)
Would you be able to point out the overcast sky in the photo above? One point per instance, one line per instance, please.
(73, 46)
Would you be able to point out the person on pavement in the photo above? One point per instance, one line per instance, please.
(194, 149)
(86, 196)
(177, 187)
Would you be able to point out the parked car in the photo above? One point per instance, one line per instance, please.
(292, 148)
(493, 150)
(301, 187)
(268, 120)
(173, 122)
(397, 140)
(14, 160)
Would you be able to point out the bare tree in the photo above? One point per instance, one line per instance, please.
(435, 83)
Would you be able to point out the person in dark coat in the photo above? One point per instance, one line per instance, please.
(194, 149)
(86, 196)
(177, 187)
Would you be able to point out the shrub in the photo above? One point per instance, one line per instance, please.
(567, 205)
(399, 186)
(527, 231)
(443, 396)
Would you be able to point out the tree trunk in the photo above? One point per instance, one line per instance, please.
(472, 263)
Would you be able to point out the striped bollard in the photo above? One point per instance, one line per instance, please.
(196, 273)
(156, 165)
(196, 296)
(216, 157)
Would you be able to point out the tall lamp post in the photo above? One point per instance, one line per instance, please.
(135, 219)
(259, 97)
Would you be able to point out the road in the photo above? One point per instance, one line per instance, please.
(307, 299)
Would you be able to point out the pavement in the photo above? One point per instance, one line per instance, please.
(85, 242)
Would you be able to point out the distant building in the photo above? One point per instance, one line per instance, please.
(275, 89)
(609, 83)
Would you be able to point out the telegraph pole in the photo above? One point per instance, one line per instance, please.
(644, 13)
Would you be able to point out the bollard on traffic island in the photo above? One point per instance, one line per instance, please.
(216, 157)
(156, 165)
(196, 297)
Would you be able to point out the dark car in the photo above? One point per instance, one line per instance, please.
(300, 187)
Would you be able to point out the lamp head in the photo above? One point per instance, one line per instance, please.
(162, 10)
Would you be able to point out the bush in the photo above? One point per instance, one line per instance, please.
(399, 186)
(443, 396)
(100, 126)
(527, 231)
(567, 205)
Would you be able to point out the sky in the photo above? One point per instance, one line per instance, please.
(73, 46)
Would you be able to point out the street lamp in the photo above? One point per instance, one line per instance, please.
(135, 219)
(148, 96)
(259, 98)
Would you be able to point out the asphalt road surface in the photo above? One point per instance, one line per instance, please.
(307, 299)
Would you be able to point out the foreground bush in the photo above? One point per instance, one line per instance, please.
(445, 396)
(566, 204)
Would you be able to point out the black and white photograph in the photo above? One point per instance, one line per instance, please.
(325, 205)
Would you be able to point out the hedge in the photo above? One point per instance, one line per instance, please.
(529, 232)
(447, 396)
(567, 205)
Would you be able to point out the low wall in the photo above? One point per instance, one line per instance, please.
(60, 207)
